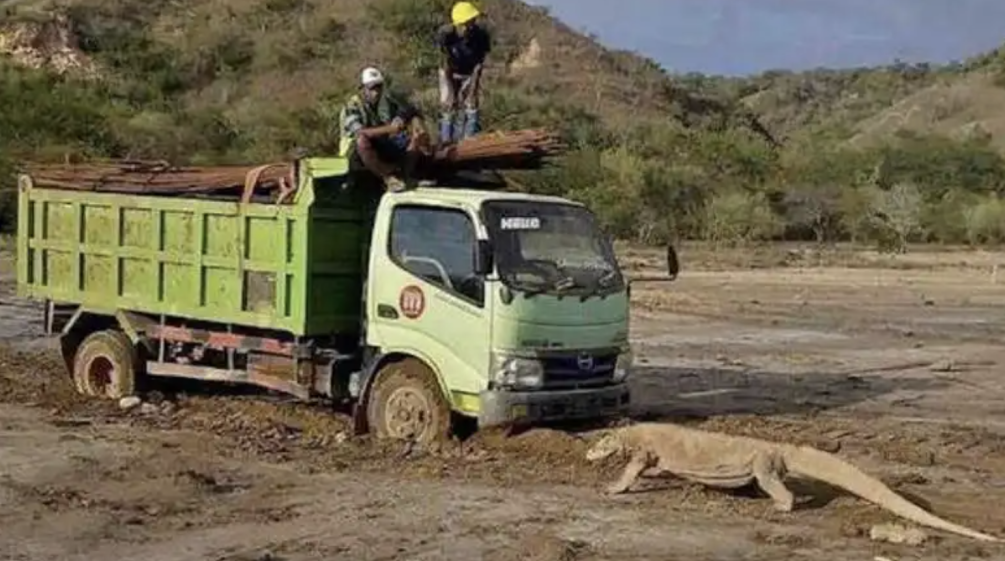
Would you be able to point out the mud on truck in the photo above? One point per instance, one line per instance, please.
(411, 307)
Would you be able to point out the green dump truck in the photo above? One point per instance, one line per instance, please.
(410, 307)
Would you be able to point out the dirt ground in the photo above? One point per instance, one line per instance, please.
(892, 362)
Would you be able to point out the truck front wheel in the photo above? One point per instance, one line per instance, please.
(406, 403)
(105, 365)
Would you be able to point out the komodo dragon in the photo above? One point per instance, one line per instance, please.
(725, 461)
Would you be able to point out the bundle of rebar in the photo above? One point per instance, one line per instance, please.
(495, 151)
(502, 150)
(144, 177)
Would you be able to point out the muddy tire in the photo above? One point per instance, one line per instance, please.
(105, 365)
(406, 403)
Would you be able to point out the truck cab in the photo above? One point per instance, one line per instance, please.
(515, 303)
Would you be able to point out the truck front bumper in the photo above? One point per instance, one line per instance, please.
(504, 407)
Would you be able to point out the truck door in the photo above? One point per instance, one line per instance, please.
(425, 298)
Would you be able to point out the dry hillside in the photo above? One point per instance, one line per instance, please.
(972, 106)
(251, 55)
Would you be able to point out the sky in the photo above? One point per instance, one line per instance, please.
(737, 37)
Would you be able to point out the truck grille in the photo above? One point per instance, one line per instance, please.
(573, 370)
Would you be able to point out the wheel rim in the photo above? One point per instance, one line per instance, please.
(100, 374)
(408, 414)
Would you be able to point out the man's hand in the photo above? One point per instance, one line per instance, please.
(422, 141)
(399, 124)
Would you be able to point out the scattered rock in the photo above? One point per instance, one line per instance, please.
(129, 403)
(948, 365)
(149, 409)
(831, 446)
(895, 533)
(529, 58)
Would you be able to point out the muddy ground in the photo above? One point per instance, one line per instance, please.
(893, 362)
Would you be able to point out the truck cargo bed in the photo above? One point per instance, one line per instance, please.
(294, 267)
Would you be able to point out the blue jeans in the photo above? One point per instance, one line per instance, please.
(458, 90)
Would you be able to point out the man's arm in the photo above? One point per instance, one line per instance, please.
(352, 125)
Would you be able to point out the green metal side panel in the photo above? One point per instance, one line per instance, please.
(288, 267)
(341, 219)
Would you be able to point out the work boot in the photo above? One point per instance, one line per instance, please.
(446, 129)
(471, 124)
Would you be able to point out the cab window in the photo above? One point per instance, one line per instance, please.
(437, 244)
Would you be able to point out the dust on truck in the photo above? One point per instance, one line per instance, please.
(410, 306)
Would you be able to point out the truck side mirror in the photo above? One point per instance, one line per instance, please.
(673, 266)
(483, 258)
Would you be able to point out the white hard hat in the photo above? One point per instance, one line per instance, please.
(371, 76)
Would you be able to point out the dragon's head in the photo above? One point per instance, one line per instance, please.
(608, 445)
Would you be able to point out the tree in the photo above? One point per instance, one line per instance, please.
(898, 214)
(816, 208)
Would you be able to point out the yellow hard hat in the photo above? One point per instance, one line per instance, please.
(464, 12)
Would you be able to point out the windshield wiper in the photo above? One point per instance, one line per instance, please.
(566, 283)
(529, 290)
(600, 285)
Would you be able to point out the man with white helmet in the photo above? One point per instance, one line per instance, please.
(380, 131)
(464, 45)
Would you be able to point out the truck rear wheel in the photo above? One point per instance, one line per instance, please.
(105, 365)
(406, 403)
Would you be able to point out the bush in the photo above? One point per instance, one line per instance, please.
(897, 216)
(985, 221)
(739, 217)
(41, 110)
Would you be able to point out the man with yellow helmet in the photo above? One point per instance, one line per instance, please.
(464, 45)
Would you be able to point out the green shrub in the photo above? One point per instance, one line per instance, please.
(738, 217)
(985, 221)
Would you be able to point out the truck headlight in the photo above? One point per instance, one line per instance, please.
(622, 367)
(517, 372)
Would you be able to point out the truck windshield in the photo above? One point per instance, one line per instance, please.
(551, 248)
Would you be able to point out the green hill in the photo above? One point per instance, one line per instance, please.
(658, 156)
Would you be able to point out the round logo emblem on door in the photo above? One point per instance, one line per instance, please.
(412, 301)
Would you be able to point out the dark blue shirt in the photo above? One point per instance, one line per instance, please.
(464, 53)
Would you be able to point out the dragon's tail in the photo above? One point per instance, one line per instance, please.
(831, 469)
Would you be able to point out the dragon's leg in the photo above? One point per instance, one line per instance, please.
(769, 470)
(636, 465)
